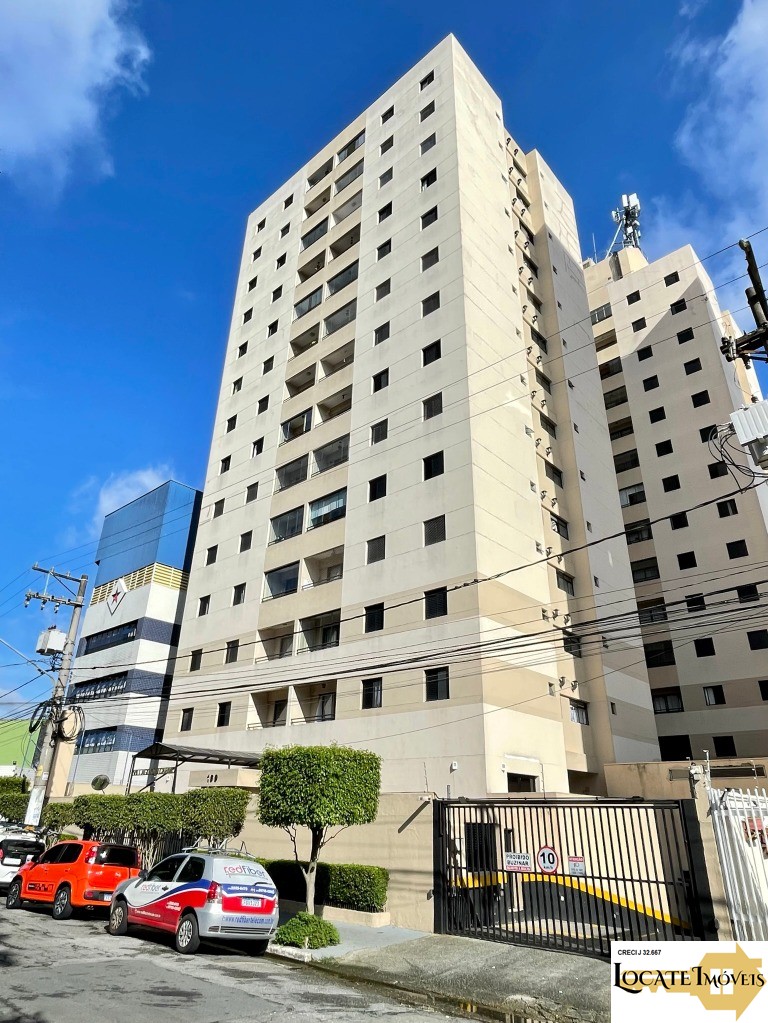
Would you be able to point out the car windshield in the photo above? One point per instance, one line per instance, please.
(19, 849)
(117, 856)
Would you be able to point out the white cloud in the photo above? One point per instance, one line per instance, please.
(93, 499)
(62, 63)
(722, 139)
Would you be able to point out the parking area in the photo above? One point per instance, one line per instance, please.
(68, 971)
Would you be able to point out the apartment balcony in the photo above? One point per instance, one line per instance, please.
(338, 359)
(345, 243)
(319, 175)
(335, 404)
(278, 640)
(319, 632)
(325, 567)
(330, 455)
(269, 710)
(281, 582)
(320, 198)
(315, 703)
(301, 381)
(296, 426)
(304, 338)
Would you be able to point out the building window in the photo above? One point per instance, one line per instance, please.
(242, 349)
(559, 526)
(352, 146)
(693, 366)
(381, 333)
(548, 426)
(328, 509)
(233, 647)
(705, 647)
(672, 278)
(727, 508)
(571, 644)
(427, 111)
(565, 582)
(268, 364)
(747, 593)
(383, 289)
(724, 746)
(737, 549)
(210, 554)
(231, 424)
(247, 315)
(638, 324)
(656, 415)
(375, 550)
(261, 225)
(281, 581)
(763, 684)
(695, 602)
(429, 259)
(186, 719)
(434, 465)
(700, 398)
(256, 254)
(286, 525)
(553, 473)
(434, 530)
(601, 313)
(644, 353)
(579, 712)
(428, 79)
(433, 406)
(377, 488)
(626, 460)
(371, 693)
(436, 603)
(218, 508)
(263, 405)
(670, 483)
(437, 684)
(252, 283)
(679, 520)
(707, 433)
(659, 655)
(646, 570)
(225, 464)
(246, 539)
(380, 380)
(257, 447)
(238, 594)
(237, 385)
(384, 212)
(429, 179)
(650, 383)
(636, 532)
(664, 447)
(251, 492)
(678, 307)
(379, 432)
(277, 293)
(374, 618)
(288, 202)
(386, 145)
(280, 261)
(685, 335)
(618, 396)
(196, 660)
(388, 113)
(429, 217)
(634, 494)
(431, 353)
(386, 177)
(686, 560)
(430, 304)
(203, 605)
(758, 639)
(384, 249)
(717, 469)
(667, 701)
(428, 143)
(223, 713)
(632, 297)
(649, 612)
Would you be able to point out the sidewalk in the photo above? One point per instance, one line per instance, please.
(548, 987)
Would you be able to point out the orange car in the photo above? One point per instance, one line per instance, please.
(73, 874)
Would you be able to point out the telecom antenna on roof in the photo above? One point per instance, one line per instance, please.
(627, 219)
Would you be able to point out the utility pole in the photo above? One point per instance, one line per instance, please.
(53, 720)
(753, 345)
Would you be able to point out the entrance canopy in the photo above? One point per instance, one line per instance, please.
(192, 755)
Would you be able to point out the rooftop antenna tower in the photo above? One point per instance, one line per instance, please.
(627, 220)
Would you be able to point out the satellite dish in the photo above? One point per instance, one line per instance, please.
(100, 782)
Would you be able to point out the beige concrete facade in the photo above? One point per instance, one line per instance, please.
(657, 331)
(411, 308)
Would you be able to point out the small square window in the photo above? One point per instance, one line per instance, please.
(203, 605)
(437, 684)
(186, 719)
(763, 684)
(263, 405)
(429, 259)
(434, 530)
(706, 433)
(737, 549)
(672, 278)
(431, 353)
(252, 283)
(237, 385)
(246, 539)
(638, 324)
(685, 335)
(247, 315)
(233, 648)
(195, 660)
(390, 112)
(257, 447)
(727, 508)
(645, 353)
(211, 554)
(427, 111)
(225, 464)
(678, 307)
(386, 177)
(280, 261)
(686, 560)
(429, 179)
(386, 145)
(377, 488)
(434, 465)
(256, 254)
(223, 715)
(429, 142)
(284, 230)
(565, 583)
(679, 521)
(251, 492)
(243, 348)
(374, 618)
(695, 602)
(261, 225)
(268, 365)
(287, 202)
(381, 333)
(724, 746)
(700, 398)
(657, 414)
(717, 469)
(758, 640)
(371, 693)
(747, 593)
(379, 431)
(650, 383)
(231, 423)
(385, 211)
(428, 79)
(272, 328)
(713, 695)
(694, 366)
(380, 380)
(436, 603)
(218, 508)
(670, 483)
(277, 293)
(430, 304)
(633, 297)
(433, 406)
(429, 217)
(384, 249)
(375, 550)
(383, 289)
(238, 594)
(664, 447)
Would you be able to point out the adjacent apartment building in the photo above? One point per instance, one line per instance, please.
(127, 649)
(699, 574)
(408, 443)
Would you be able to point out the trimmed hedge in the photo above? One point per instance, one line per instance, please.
(307, 931)
(13, 806)
(349, 885)
(13, 784)
(56, 817)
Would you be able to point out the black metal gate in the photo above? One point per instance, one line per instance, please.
(570, 874)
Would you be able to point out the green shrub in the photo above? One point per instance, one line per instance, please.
(57, 816)
(13, 784)
(352, 885)
(13, 806)
(307, 931)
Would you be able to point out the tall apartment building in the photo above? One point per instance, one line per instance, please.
(657, 330)
(126, 653)
(400, 462)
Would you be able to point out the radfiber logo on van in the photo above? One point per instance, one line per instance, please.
(235, 869)
(726, 978)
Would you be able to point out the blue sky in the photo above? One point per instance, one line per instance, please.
(136, 137)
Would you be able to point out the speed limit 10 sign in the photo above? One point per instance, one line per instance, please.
(547, 860)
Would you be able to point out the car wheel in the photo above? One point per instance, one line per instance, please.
(257, 948)
(62, 904)
(118, 918)
(13, 896)
(187, 935)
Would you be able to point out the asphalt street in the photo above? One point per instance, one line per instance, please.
(71, 971)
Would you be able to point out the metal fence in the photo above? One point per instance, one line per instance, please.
(740, 819)
(570, 874)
